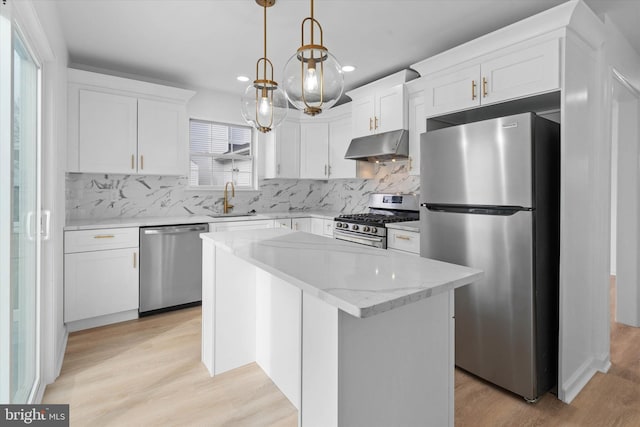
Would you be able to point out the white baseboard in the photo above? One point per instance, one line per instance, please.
(602, 363)
(61, 351)
(108, 319)
(570, 389)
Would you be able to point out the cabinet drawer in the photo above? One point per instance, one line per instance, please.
(402, 240)
(283, 223)
(97, 240)
(241, 225)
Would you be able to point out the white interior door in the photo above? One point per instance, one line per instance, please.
(19, 215)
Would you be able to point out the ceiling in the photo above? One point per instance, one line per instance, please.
(207, 43)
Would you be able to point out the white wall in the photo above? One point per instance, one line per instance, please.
(624, 133)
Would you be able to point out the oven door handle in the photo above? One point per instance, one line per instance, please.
(350, 237)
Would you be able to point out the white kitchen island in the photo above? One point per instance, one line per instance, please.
(352, 335)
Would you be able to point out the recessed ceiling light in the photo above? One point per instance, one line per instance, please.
(348, 68)
(242, 78)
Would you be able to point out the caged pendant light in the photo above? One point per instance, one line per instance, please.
(264, 105)
(313, 77)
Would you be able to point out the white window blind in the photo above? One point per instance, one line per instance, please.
(220, 153)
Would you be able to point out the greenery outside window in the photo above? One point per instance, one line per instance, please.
(219, 153)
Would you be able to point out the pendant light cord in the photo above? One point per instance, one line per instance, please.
(265, 39)
(312, 20)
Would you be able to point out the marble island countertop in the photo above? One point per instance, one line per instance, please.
(89, 224)
(359, 280)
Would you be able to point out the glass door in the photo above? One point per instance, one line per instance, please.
(19, 216)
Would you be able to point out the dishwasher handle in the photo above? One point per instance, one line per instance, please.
(176, 229)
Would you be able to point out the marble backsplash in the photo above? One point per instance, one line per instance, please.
(102, 196)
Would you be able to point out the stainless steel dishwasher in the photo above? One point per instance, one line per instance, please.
(170, 267)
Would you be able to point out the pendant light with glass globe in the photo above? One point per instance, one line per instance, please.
(313, 78)
(263, 104)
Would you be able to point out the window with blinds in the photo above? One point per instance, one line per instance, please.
(220, 153)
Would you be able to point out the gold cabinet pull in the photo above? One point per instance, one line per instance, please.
(133, 159)
(104, 236)
(401, 237)
(484, 87)
(473, 90)
(141, 162)
(370, 123)
(135, 260)
(375, 126)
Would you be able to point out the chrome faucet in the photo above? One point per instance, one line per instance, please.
(227, 206)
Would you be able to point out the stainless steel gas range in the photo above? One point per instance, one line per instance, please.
(370, 228)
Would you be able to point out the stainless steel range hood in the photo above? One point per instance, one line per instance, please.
(380, 147)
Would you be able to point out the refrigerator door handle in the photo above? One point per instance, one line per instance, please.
(478, 210)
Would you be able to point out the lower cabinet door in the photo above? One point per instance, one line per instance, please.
(301, 224)
(99, 283)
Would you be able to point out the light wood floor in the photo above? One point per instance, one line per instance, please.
(147, 372)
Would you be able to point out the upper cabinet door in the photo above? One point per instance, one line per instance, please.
(288, 150)
(455, 90)
(314, 150)
(390, 110)
(525, 72)
(163, 147)
(339, 139)
(107, 133)
(363, 112)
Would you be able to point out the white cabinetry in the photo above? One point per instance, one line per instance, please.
(323, 144)
(283, 223)
(322, 227)
(403, 240)
(107, 127)
(417, 123)
(301, 224)
(163, 144)
(314, 150)
(118, 125)
(380, 106)
(282, 154)
(519, 71)
(339, 140)
(100, 277)
(241, 225)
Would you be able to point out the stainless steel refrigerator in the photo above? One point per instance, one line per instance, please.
(490, 200)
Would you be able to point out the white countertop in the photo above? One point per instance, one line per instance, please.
(405, 225)
(89, 224)
(359, 280)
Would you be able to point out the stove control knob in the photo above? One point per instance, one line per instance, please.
(374, 230)
(338, 225)
(354, 227)
(365, 228)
